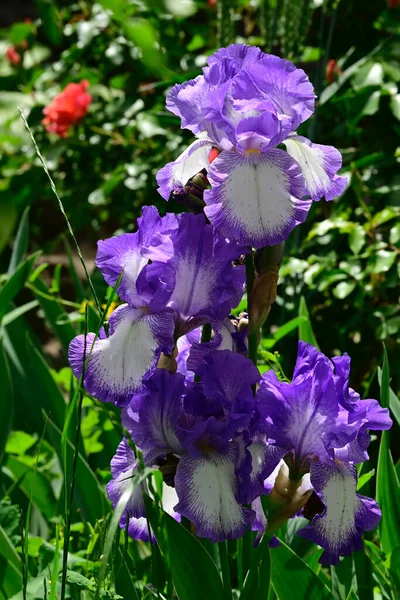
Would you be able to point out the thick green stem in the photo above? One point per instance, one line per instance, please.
(253, 335)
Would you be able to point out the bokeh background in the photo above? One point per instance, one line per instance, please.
(343, 262)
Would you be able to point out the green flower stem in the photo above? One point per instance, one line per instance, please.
(252, 337)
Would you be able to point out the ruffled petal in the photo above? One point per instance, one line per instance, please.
(184, 100)
(273, 80)
(206, 282)
(118, 365)
(184, 346)
(256, 198)
(346, 516)
(124, 467)
(207, 489)
(319, 165)
(300, 416)
(125, 253)
(175, 175)
(263, 462)
(221, 340)
(153, 428)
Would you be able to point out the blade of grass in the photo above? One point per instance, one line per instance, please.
(7, 403)
(54, 571)
(20, 246)
(69, 501)
(53, 187)
(387, 482)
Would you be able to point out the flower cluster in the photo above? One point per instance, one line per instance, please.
(227, 440)
(67, 108)
(246, 104)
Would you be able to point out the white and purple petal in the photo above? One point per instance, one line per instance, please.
(319, 165)
(175, 175)
(206, 282)
(207, 489)
(117, 366)
(256, 198)
(346, 516)
(124, 468)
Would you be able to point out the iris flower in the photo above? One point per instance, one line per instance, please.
(177, 273)
(249, 105)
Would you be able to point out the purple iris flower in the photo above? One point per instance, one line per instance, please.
(196, 426)
(177, 273)
(319, 426)
(124, 467)
(246, 104)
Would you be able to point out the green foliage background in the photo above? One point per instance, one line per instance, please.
(343, 263)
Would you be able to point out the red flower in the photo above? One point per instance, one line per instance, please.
(67, 108)
(13, 56)
(332, 70)
(393, 4)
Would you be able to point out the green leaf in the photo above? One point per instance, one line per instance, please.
(54, 313)
(394, 234)
(292, 579)
(20, 244)
(306, 333)
(283, 331)
(78, 579)
(52, 399)
(385, 215)
(51, 25)
(7, 400)
(8, 218)
(34, 485)
(19, 32)
(54, 571)
(394, 401)
(395, 106)
(349, 72)
(387, 483)
(13, 285)
(74, 275)
(381, 261)
(364, 478)
(357, 238)
(370, 74)
(186, 554)
(143, 34)
(371, 105)
(352, 595)
(343, 578)
(18, 312)
(344, 289)
(258, 579)
(10, 566)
